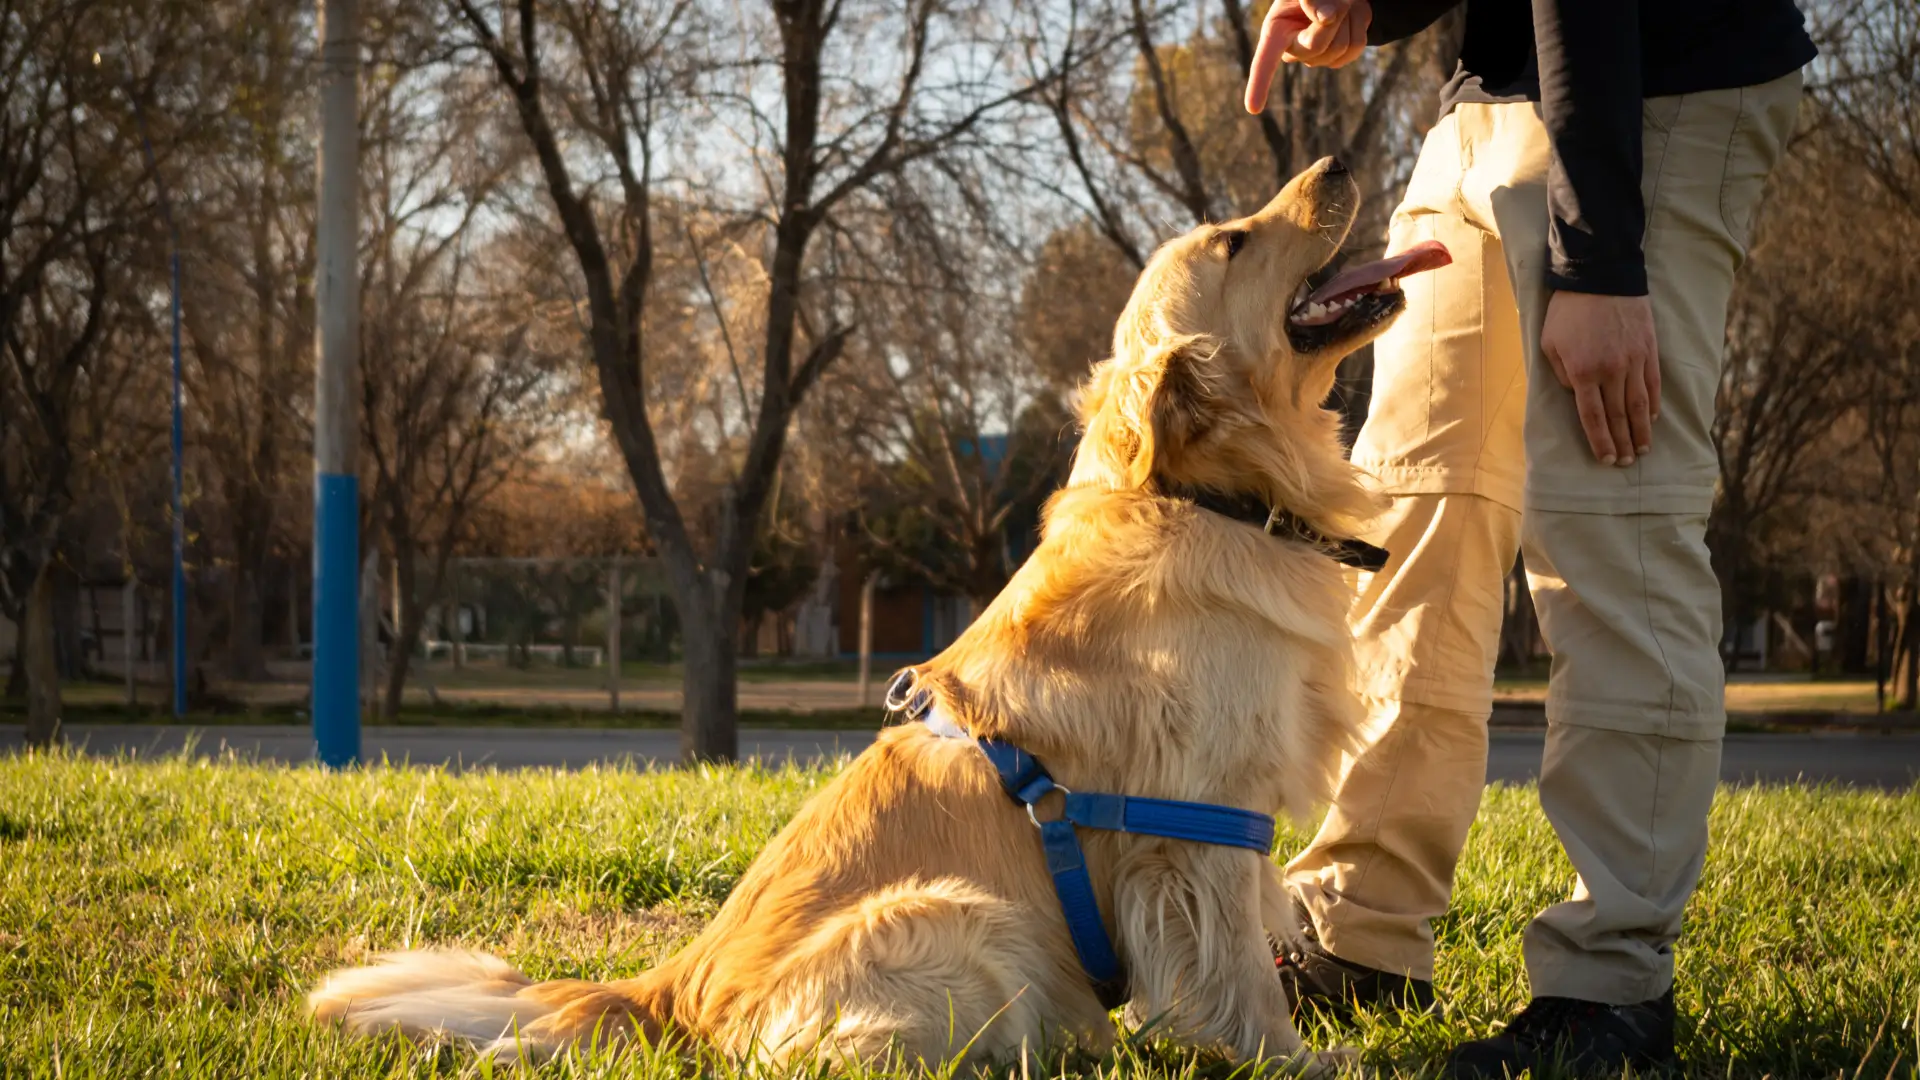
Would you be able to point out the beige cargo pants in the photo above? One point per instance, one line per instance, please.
(1481, 451)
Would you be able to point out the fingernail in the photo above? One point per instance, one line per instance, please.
(1626, 461)
(1606, 459)
(1642, 450)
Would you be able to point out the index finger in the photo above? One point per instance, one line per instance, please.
(1283, 22)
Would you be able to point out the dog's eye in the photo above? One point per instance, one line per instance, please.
(1235, 241)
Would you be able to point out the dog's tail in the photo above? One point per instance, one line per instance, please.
(481, 1001)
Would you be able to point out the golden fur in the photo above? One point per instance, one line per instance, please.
(1147, 647)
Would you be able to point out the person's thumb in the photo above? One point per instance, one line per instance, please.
(1323, 10)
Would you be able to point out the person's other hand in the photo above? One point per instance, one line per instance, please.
(1319, 33)
(1603, 349)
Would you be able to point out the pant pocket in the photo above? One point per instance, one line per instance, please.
(1767, 115)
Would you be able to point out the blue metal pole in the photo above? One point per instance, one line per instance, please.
(336, 618)
(179, 516)
(336, 425)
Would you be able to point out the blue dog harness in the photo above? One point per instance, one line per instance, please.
(1027, 782)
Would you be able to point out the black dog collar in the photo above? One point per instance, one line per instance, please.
(1286, 525)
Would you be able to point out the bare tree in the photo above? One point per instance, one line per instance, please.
(249, 309)
(1155, 135)
(962, 431)
(449, 388)
(1800, 344)
(446, 422)
(1868, 90)
(1161, 134)
(855, 103)
(1819, 406)
(75, 200)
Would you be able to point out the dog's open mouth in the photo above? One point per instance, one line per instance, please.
(1357, 297)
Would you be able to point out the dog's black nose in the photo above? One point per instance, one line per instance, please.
(1333, 166)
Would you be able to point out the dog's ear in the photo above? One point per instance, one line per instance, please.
(1141, 417)
(1182, 408)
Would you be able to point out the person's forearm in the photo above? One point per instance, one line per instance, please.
(1589, 55)
(1395, 20)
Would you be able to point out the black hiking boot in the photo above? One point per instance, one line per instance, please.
(1310, 973)
(1557, 1036)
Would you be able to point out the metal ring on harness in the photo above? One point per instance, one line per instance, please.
(1035, 818)
(899, 688)
(901, 695)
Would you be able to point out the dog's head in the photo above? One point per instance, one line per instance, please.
(1229, 344)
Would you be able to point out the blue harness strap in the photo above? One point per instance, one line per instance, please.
(1027, 782)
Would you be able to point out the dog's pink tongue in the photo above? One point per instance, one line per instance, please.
(1425, 255)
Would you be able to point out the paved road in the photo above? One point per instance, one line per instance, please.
(1884, 761)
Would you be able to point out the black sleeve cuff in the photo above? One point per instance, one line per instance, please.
(1602, 278)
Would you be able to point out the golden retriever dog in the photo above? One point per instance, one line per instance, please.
(1151, 646)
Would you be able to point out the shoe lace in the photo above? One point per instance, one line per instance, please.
(1546, 1020)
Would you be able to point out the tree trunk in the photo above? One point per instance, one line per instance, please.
(42, 670)
(369, 615)
(709, 715)
(293, 610)
(246, 625)
(1910, 653)
(976, 605)
(17, 672)
(1910, 632)
(69, 649)
(1520, 625)
(406, 636)
(1897, 609)
(249, 495)
(457, 632)
(750, 636)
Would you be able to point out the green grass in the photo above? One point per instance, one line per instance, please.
(163, 918)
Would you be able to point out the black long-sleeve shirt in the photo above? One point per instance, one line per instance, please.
(1590, 63)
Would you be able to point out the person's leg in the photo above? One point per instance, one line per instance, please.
(1630, 608)
(1631, 765)
(1627, 595)
(1381, 866)
(1442, 439)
